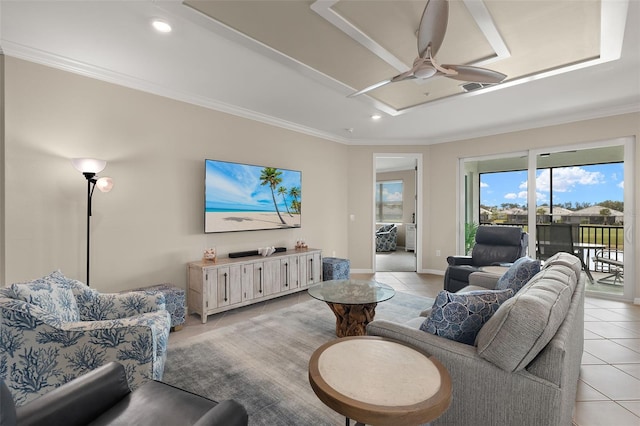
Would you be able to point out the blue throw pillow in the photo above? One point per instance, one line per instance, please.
(460, 317)
(51, 293)
(518, 274)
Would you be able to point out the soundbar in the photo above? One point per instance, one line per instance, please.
(253, 252)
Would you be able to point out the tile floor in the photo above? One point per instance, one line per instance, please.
(609, 387)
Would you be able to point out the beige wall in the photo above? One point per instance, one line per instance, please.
(440, 169)
(151, 224)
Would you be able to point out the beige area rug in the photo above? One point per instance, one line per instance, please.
(263, 362)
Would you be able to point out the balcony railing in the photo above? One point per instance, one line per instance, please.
(609, 238)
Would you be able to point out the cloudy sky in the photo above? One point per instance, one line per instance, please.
(591, 184)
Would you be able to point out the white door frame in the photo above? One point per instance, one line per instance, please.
(418, 203)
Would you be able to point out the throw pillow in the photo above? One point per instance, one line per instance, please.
(460, 317)
(518, 274)
(52, 293)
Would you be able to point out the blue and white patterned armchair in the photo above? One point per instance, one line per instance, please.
(55, 329)
(386, 237)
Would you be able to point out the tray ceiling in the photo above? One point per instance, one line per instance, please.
(359, 43)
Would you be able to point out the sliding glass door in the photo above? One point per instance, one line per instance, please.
(583, 187)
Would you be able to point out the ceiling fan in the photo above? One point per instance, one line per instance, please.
(433, 26)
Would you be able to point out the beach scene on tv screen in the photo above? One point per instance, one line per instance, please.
(244, 197)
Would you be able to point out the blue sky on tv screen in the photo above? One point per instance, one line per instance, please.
(237, 187)
(583, 184)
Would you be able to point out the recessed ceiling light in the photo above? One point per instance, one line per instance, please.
(161, 26)
(376, 117)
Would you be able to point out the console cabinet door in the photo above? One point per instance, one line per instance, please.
(315, 275)
(310, 268)
(271, 276)
(287, 279)
(229, 285)
(294, 271)
(258, 280)
(247, 281)
(211, 279)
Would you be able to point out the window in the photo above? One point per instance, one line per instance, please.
(578, 194)
(389, 201)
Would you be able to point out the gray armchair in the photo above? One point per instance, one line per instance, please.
(495, 245)
(386, 238)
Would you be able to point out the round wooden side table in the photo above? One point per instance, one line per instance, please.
(380, 382)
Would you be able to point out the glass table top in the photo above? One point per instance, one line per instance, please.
(351, 292)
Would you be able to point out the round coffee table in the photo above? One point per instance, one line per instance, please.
(378, 381)
(352, 301)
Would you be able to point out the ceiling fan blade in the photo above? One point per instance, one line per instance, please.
(474, 74)
(370, 88)
(404, 76)
(433, 26)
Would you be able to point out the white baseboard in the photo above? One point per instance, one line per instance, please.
(432, 271)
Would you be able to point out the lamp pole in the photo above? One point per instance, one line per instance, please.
(91, 184)
(89, 167)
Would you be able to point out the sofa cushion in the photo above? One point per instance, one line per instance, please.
(459, 316)
(518, 274)
(524, 324)
(566, 259)
(52, 293)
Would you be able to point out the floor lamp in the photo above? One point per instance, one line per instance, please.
(90, 167)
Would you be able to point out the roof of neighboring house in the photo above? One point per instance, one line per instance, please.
(595, 211)
(556, 210)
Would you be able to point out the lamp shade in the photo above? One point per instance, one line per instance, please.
(104, 184)
(88, 165)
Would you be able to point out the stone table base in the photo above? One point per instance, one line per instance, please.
(352, 320)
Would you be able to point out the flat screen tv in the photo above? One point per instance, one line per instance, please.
(245, 197)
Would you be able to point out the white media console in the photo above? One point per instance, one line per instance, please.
(234, 282)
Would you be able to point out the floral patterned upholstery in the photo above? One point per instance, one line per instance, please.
(386, 237)
(46, 341)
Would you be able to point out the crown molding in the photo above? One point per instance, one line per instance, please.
(76, 67)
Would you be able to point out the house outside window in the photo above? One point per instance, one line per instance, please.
(389, 195)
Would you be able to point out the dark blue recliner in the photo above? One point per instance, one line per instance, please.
(495, 245)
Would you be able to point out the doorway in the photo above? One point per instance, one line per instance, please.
(397, 185)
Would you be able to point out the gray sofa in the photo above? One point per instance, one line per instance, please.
(524, 366)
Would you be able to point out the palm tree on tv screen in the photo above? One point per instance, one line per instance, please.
(295, 194)
(283, 192)
(273, 177)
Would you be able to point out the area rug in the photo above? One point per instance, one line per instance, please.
(263, 362)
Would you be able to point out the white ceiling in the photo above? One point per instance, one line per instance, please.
(207, 63)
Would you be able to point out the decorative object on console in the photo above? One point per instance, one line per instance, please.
(301, 244)
(266, 251)
(209, 255)
(244, 197)
(90, 167)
